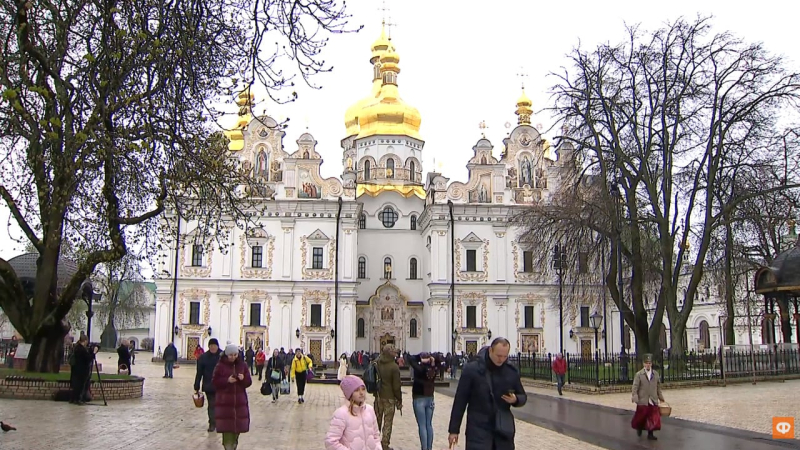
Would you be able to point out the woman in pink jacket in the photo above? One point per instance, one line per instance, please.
(354, 426)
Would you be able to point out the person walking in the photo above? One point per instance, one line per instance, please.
(342, 367)
(261, 358)
(133, 353)
(232, 414)
(646, 394)
(299, 372)
(354, 426)
(123, 358)
(490, 387)
(249, 357)
(388, 398)
(275, 374)
(204, 376)
(80, 369)
(560, 369)
(170, 356)
(423, 368)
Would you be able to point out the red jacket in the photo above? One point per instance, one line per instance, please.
(260, 358)
(232, 413)
(560, 366)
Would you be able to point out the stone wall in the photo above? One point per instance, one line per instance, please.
(21, 364)
(38, 389)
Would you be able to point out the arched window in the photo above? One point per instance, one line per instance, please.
(362, 267)
(412, 171)
(388, 217)
(705, 337)
(362, 222)
(360, 328)
(412, 269)
(412, 328)
(390, 168)
(413, 222)
(366, 170)
(387, 268)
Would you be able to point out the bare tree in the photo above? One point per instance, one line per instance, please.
(106, 121)
(125, 302)
(659, 116)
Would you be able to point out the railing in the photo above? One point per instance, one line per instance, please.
(380, 173)
(614, 369)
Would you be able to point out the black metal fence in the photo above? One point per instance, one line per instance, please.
(618, 369)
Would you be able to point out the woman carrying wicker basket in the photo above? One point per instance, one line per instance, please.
(646, 394)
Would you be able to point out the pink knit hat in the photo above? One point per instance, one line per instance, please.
(350, 384)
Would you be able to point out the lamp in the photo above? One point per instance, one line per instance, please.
(333, 333)
(559, 264)
(489, 335)
(209, 331)
(595, 320)
(571, 334)
(455, 334)
(297, 333)
(176, 330)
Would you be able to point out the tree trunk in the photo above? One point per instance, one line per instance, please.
(47, 350)
(108, 339)
(730, 338)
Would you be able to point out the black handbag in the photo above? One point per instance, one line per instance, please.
(266, 388)
(504, 425)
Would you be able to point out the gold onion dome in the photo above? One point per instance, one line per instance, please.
(245, 100)
(524, 109)
(383, 112)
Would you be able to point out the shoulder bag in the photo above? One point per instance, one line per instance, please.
(503, 419)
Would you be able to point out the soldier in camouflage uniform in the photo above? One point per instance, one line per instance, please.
(389, 396)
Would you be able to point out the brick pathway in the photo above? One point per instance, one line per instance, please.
(741, 405)
(165, 418)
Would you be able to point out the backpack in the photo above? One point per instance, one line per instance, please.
(372, 379)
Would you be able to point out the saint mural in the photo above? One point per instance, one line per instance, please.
(308, 189)
(387, 313)
(261, 165)
(483, 194)
(525, 171)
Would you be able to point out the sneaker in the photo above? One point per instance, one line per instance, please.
(212, 428)
(299, 400)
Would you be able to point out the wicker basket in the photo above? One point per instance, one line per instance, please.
(665, 409)
(199, 399)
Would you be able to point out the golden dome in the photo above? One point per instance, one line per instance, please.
(524, 109)
(245, 101)
(383, 111)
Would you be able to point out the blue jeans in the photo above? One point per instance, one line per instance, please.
(168, 368)
(423, 411)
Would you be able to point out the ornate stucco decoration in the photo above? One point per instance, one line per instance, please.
(519, 275)
(326, 273)
(192, 271)
(472, 299)
(317, 297)
(472, 242)
(529, 299)
(255, 296)
(268, 243)
(191, 295)
(458, 191)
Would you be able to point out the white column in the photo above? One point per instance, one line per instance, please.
(288, 250)
(347, 255)
(501, 258)
(442, 242)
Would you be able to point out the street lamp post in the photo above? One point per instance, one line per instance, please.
(559, 259)
(455, 336)
(595, 320)
(88, 295)
(721, 319)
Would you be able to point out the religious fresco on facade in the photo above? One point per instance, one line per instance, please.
(526, 171)
(254, 339)
(307, 187)
(481, 194)
(262, 165)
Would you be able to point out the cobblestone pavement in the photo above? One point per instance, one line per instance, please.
(741, 405)
(165, 418)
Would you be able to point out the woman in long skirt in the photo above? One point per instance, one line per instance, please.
(646, 394)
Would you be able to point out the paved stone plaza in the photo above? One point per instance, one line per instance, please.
(165, 418)
(742, 405)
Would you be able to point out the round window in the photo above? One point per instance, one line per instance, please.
(388, 217)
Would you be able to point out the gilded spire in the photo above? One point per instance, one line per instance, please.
(524, 109)
(245, 101)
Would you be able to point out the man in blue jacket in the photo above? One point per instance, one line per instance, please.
(490, 386)
(205, 372)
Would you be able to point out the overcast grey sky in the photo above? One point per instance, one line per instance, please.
(459, 62)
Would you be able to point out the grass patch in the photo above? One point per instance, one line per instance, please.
(61, 376)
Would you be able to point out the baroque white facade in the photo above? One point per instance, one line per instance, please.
(276, 286)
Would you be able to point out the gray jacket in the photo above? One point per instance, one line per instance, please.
(647, 391)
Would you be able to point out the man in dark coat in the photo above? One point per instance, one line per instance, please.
(205, 372)
(486, 401)
(80, 370)
(389, 397)
(249, 357)
(170, 356)
(123, 357)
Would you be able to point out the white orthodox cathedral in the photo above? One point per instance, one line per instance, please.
(276, 286)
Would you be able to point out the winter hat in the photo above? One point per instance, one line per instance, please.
(231, 349)
(350, 384)
(213, 341)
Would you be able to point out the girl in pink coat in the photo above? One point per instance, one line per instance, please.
(354, 426)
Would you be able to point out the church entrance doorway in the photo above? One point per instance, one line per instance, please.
(387, 339)
(315, 349)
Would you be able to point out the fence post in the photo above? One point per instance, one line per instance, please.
(566, 359)
(597, 366)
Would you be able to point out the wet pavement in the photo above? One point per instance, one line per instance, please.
(611, 427)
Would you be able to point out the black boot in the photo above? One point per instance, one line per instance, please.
(638, 432)
(651, 436)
